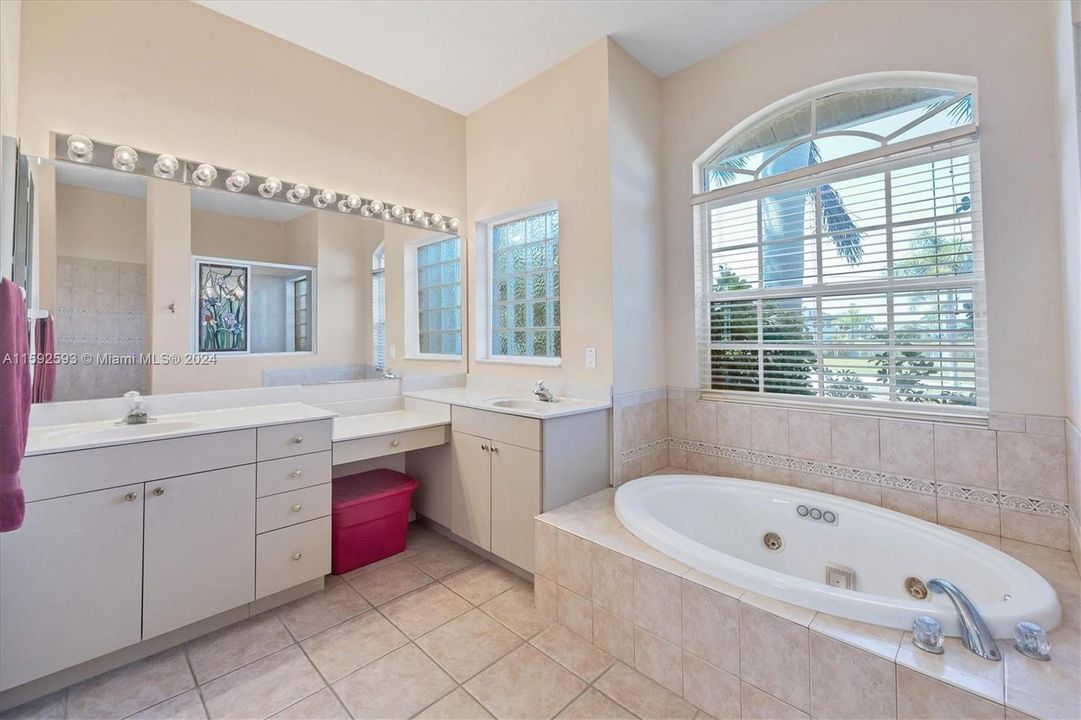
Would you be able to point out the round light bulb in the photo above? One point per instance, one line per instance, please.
(80, 148)
(437, 219)
(352, 201)
(298, 193)
(396, 211)
(417, 215)
(166, 166)
(377, 206)
(425, 220)
(385, 214)
(204, 175)
(237, 181)
(124, 158)
(453, 223)
(324, 198)
(270, 187)
(366, 211)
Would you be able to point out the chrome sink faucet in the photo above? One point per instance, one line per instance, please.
(543, 393)
(975, 635)
(137, 414)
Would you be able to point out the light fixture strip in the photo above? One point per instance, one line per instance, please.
(125, 158)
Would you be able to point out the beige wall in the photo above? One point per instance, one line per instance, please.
(638, 309)
(548, 140)
(1007, 46)
(238, 237)
(99, 225)
(175, 77)
(10, 23)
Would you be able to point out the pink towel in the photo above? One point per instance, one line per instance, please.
(45, 367)
(14, 402)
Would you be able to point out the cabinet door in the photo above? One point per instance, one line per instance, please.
(516, 499)
(471, 496)
(200, 547)
(70, 582)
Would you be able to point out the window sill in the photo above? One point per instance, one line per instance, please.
(977, 417)
(433, 356)
(522, 360)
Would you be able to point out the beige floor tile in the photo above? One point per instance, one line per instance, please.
(525, 684)
(398, 685)
(517, 610)
(227, 649)
(421, 538)
(335, 604)
(323, 705)
(353, 644)
(262, 688)
(774, 656)
(920, 697)
(459, 705)
(642, 696)
(591, 705)
(50, 707)
(424, 610)
(187, 706)
(481, 583)
(756, 704)
(584, 659)
(382, 584)
(710, 688)
(850, 683)
(468, 644)
(132, 688)
(444, 560)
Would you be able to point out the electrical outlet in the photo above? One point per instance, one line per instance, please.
(591, 357)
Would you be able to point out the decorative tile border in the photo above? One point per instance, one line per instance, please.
(642, 451)
(979, 496)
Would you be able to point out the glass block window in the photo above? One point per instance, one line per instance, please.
(222, 307)
(525, 287)
(439, 297)
(857, 282)
(302, 340)
(379, 309)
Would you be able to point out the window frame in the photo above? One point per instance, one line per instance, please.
(379, 273)
(483, 290)
(963, 140)
(411, 286)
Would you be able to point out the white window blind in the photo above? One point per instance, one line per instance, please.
(524, 262)
(379, 310)
(860, 284)
(439, 297)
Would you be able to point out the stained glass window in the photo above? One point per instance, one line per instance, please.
(222, 306)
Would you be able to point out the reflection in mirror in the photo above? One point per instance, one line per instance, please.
(159, 287)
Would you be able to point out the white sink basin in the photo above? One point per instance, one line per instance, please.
(528, 405)
(125, 432)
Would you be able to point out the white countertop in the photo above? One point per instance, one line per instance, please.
(353, 427)
(481, 400)
(99, 433)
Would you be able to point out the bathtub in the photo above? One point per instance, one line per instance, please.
(719, 526)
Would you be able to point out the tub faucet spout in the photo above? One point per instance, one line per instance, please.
(975, 635)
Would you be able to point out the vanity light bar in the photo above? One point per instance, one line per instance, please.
(125, 158)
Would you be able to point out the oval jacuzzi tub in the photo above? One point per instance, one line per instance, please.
(728, 528)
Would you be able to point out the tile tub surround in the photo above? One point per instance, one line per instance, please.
(640, 432)
(353, 650)
(729, 651)
(1009, 480)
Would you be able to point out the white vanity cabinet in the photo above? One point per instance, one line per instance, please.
(507, 469)
(71, 581)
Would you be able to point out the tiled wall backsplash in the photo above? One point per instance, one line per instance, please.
(1018, 479)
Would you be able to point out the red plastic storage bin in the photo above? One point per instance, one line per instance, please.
(370, 516)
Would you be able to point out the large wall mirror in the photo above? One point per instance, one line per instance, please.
(160, 287)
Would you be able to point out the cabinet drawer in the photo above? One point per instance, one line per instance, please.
(389, 444)
(520, 431)
(291, 508)
(278, 441)
(78, 471)
(291, 556)
(292, 473)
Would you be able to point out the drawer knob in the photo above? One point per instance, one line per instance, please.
(159, 491)
(296, 556)
(296, 473)
(483, 447)
(298, 439)
(495, 449)
(130, 497)
(395, 443)
(296, 508)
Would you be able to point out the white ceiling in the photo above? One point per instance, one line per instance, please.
(462, 54)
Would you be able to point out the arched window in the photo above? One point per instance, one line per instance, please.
(838, 249)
